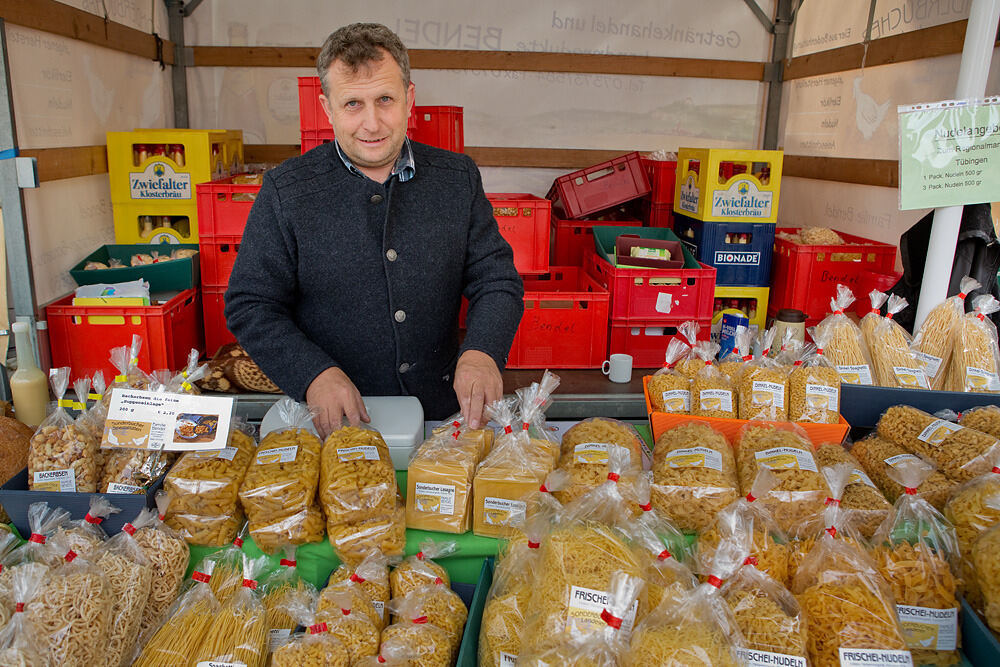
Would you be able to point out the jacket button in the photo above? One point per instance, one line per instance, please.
(376, 198)
(404, 367)
(391, 255)
(400, 315)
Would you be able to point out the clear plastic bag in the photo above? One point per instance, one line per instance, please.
(986, 566)
(845, 347)
(283, 590)
(238, 633)
(130, 575)
(126, 360)
(974, 360)
(225, 568)
(85, 535)
(932, 343)
(19, 638)
(429, 645)
(167, 552)
(314, 647)
(302, 527)
(357, 480)
(878, 456)
(439, 482)
(895, 364)
(348, 614)
(586, 449)
(421, 568)
(713, 394)
(61, 456)
(864, 506)
(689, 364)
(669, 389)
(372, 574)
(44, 521)
(985, 419)
(732, 364)
(974, 507)
(763, 387)
(814, 386)
(347, 594)
(869, 323)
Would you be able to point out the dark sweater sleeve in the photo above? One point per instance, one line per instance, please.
(261, 295)
(492, 285)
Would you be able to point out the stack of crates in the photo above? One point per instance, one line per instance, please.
(153, 174)
(658, 205)
(725, 210)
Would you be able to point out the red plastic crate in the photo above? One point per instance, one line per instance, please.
(218, 253)
(643, 294)
(443, 127)
(524, 221)
(647, 341)
(312, 116)
(657, 215)
(565, 322)
(216, 332)
(573, 239)
(662, 175)
(82, 337)
(313, 138)
(806, 277)
(223, 207)
(601, 186)
(868, 281)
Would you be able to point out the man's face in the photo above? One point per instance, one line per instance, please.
(368, 110)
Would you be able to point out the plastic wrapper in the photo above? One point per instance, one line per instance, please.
(932, 343)
(347, 594)
(353, 541)
(238, 633)
(357, 480)
(126, 360)
(763, 386)
(864, 505)
(92, 419)
(895, 364)
(688, 364)
(301, 527)
(748, 522)
(61, 455)
(870, 322)
(917, 553)
(586, 449)
(282, 478)
(207, 483)
(986, 566)
(372, 574)
(801, 489)
(732, 364)
(130, 576)
(960, 453)
(974, 507)
(669, 389)
(845, 347)
(878, 455)
(225, 567)
(207, 531)
(985, 419)
(284, 591)
(85, 535)
(694, 475)
(439, 482)
(353, 625)
(712, 392)
(428, 645)
(20, 645)
(421, 568)
(974, 357)
(168, 553)
(185, 381)
(814, 386)
(315, 647)
(847, 605)
(455, 427)
(43, 521)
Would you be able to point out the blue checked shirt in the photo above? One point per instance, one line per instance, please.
(404, 168)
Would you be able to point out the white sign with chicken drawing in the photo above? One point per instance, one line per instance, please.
(160, 421)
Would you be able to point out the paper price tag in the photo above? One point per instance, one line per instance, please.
(174, 422)
(860, 657)
(277, 455)
(585, 607)
(926, 628)
(716, 399)
(359, 453)
(752, 658)
(502, 511)
(860, 374)
(768, 393)
(937, 431)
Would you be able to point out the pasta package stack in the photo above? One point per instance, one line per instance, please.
(669, 389)
(763, 391)
(713, 394)
(895, 364)
(975, 359)
(587, 448)
(439, 482)
(845, 344)
(279, 489)
(168, 555)
(916, 551)
(238, 633)
(456, 424)
(62, 456)
(960, 453)
(878, 456)
(786, 452)
(204, 486)
(814, 386)
(864, 505)
(694, 475)
(932, 343)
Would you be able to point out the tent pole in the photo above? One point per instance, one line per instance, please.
(976, 55)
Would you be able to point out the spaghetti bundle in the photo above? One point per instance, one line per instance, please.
(168, 554)
(669, 389)
(713, 394)
(226, 568)
(585, 452)
(864, 505)
(814, 386)
(130, 576)
(975, 359)
(238, 633)
(933, 344)
(284, 590)
(895, 364)
(845, 346)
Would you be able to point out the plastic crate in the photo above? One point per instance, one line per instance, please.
(572, 240)
(647, 341)
(565, 322)
(748, 302)
(651, 295)
(657, 215)
(218, 254)
(662, 175)
(312, 116)
(739, 251)
(806, 276)
(727, 185)
(223, 206)
(313, 138)
(82, 337)
(440, 126)
(601, 186)
(524, 222)
(177, 274)
(216, 332)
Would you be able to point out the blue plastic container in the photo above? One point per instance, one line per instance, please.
(739, 251)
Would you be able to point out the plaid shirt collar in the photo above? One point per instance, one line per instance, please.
(404, 167)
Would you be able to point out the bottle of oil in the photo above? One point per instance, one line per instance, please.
(28, 384)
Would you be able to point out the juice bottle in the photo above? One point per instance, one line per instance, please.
(28, 384)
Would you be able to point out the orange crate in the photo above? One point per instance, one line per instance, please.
(662, 421)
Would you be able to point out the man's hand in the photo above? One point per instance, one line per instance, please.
(332, 396)
(477, 384)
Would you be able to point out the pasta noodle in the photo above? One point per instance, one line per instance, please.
(878, 456)
(585, 454)
(283, 475)
(357, 630)
(713, 394)
(974, 507)
(297, 528)
(763, 389)
(767, 615)
(176, 641)
(207, 483)
(357, 478)
(845, 346)
(974, 359)
(439, 483)
(863, 503)
(239, 633)
(814, 387)
(353, 541)
(985, 419)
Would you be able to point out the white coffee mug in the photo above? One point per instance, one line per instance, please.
(618, 368)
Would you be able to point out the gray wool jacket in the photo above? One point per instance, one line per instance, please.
(337, 270)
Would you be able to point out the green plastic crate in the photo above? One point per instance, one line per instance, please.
(468, 652)
(604, 241)
(175, 275)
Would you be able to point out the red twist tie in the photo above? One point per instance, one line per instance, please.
(839, 311)
(996, 469)
(356, 579)
(751, 497)
(525, 426)
(874, 311)
(70, 556)
(819, 350)
(888, 316)
(534, 545)
(420, 620)
(612, 620)
(508, 430)
(613, 476)
(95, 520)
(238, 542)
(250, 583)
(748, 357)
(832, 530)
(543, 489)
(37, 538)
(708, 363)
(128, 528)
(18, 608)
(455, 435)
(664, 555)
(648, 507)
(381, 659)
(438, 581)
(286, 562)
(715, 581)
(161, 517)
(456, 423)
(961, 295)
(420, 555)
(910, 491)
(751, 560)
(345, 612)
(201, 576)
(832, 501)
(981, 316)
(318, 628)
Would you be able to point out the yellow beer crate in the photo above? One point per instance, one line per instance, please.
(724, 185)
(748, 302)
(156, 222)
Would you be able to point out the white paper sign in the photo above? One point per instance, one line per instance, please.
(174, 422)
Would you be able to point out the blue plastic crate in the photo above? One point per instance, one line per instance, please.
(739, 251)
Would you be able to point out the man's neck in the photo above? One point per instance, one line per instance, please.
(378, 174)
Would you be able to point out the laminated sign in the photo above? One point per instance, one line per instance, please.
(174, 422)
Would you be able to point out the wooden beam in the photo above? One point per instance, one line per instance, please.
(521, 61)
(883, 173)
(546, 158)
(940, 40)
(59, 19)
(58, 163)
(273, 153)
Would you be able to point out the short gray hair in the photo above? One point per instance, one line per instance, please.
(360, 44)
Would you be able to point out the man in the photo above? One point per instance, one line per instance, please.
(355, 256)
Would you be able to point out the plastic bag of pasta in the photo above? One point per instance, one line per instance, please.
(85, 535)
(749, 523)
(225, 567)
(130, 575)
(974, 358)
(960, 453)
(871, 320)
(585, 451)
(439, 482)
(845, 347)
(429, 645)
(92, 419)
(61, 455)
(895, 365)
(44, 521)
(916, 552)
(986, 566)
(848, 608)
(974, 507)
(19, 640)
(669, 389)
(315, 646)
(932, 343)
(534, 401)
(372, 574)
(814, 386)
(689, 364)
(985, 419)
(763, 389)
(864, 506)
(712, 393)
(878, 456)
(301, 527)
(787, 452)
(207, 483)
(347, 594)
(357, 480)
(731, 364)
(353, 541)
(697, 630)
(283, 588)
(694, 475)
(421, 568)
(238, 633)
(167, 552)
(126, 360)
(349, 617)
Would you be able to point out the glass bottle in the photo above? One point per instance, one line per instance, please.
(28, 384)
